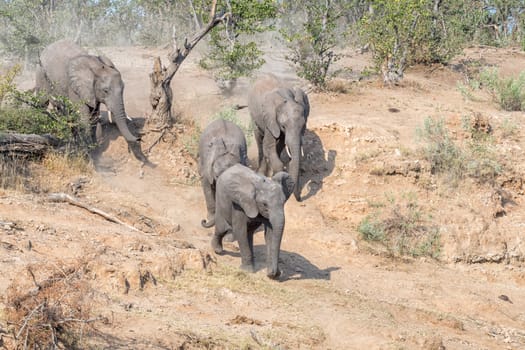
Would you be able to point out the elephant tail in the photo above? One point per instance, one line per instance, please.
(207, 224)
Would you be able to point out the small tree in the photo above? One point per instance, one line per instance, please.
(390, 29)
(312, 42)
(246, 17)
(403, 32)
(231, 54)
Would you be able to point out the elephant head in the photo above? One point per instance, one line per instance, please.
(260, 199)
(95, 80)
(285, 113)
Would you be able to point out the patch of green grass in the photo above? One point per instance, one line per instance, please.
(230, 114)
(509, 92)
(509, 128)
(403, 229)
(477, 158)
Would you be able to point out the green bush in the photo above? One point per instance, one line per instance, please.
(230, 114)
(476, 158)
(508, 92)
(403, 229)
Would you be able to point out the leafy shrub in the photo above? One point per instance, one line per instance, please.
(508, 92)
(230, 114)
(476, 158)
(403, 229)
(311, 44)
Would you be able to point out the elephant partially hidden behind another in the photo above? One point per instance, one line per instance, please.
(280, 114)
(244, 201)
(67, 70)
(221, 145)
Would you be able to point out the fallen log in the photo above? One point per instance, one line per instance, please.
(26, 144)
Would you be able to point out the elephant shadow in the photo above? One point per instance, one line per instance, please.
(293, 266)
(316, 164)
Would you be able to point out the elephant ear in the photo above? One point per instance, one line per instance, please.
(273, 101)
(286, 182)
(106, 61)
(82, 79)
(244, 196)
(301, 98)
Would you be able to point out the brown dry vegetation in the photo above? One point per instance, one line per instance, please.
(161, 287)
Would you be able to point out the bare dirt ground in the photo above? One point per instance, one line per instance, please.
(163, 288)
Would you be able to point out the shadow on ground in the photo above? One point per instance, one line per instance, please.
(292, 265)
(316, 164)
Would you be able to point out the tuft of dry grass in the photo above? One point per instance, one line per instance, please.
(15, 172)
(338, 86)
(50, 312)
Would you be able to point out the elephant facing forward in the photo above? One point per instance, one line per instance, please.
(67, 70)
(244, 201)
(280, 114)
(221, 145)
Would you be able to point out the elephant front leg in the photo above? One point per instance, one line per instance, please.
(261, 161)
(270, 152)
(245, 240)
(209, 196)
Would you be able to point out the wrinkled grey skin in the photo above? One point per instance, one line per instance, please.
(244, 200)
(280, 114)
(221, 145)
(67, 70)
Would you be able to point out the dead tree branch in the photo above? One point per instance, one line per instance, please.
(65, 198)
(161, 94)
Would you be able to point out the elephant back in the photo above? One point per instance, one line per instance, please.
(54, 60)
(219, 138)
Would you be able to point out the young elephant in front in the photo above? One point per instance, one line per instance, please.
(245, 200)
(221, 145)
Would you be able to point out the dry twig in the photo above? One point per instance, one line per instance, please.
(65, 198)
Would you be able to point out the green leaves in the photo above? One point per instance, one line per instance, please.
(312, 43)
(404, 32)
(232, 54)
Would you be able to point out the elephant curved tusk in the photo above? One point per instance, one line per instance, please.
(128, 117)
(109, 117)
(302, 151)
(288, 151)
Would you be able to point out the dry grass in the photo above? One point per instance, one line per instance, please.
(51, 173)
(51, 312)
(15, 172)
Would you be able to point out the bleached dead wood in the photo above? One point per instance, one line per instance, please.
(161, 94)
(66, 198)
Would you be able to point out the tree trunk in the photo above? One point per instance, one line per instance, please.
(161, 94)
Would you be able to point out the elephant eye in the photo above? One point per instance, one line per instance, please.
(106, 90)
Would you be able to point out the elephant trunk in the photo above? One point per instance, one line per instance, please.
(207, 223)
(119, 117)
(294, 146)
(273, 244)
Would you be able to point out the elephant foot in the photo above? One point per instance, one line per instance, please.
(273, 274)
(216, 244)
(248, 268)
(229, 237)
